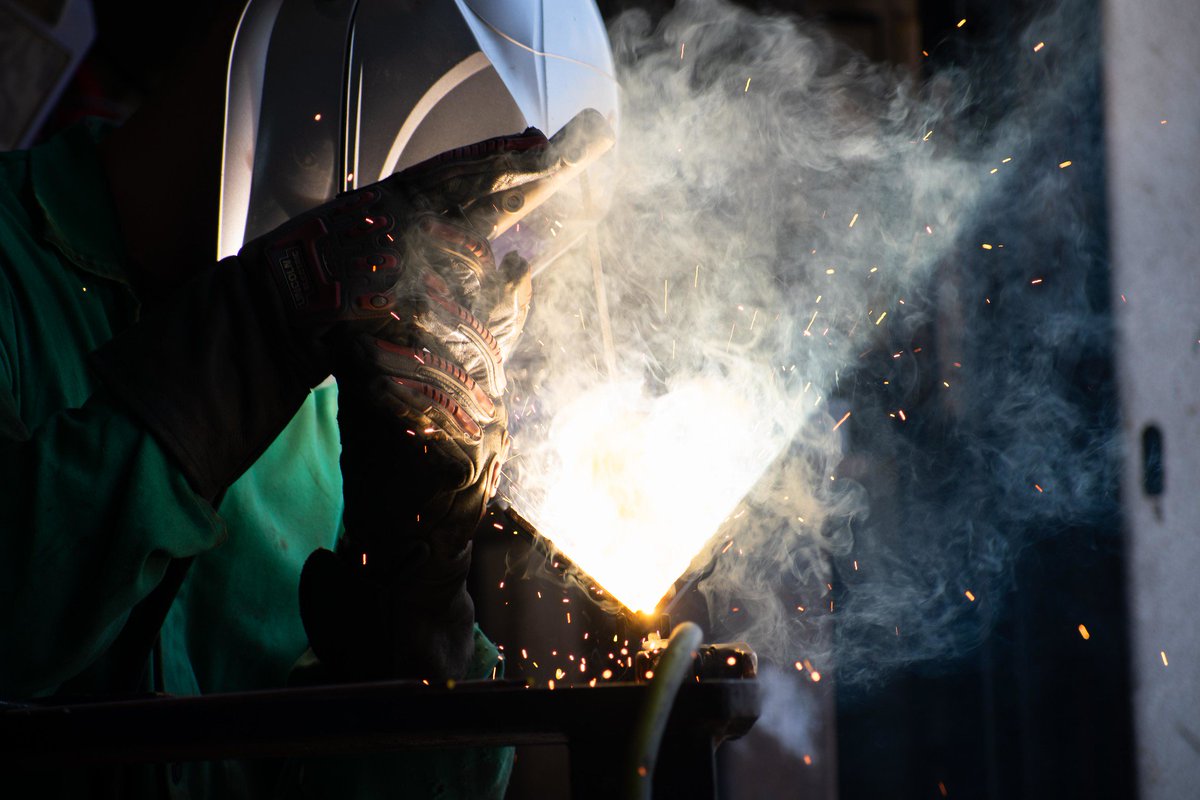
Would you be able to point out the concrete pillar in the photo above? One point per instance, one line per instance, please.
(1152, 115)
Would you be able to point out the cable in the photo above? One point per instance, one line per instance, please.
(673, 667)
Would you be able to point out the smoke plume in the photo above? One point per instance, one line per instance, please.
(871, 305)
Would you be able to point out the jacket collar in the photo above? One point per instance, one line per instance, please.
(72, 190)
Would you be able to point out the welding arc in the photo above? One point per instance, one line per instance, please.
(669, 674)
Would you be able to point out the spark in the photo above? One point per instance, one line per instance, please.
(316, 117)
(994, 170)
(925, 53)
(961, 22)
(664, 295)
(873, 270)
(947, 385)
(929, 230)
(1039, 488)
(856, 565)
(1036, 281)
(986, 246)
(816, 676)
(799, 667)
(830, 271)
(1064, 164)
(1037, 47)
(807, 760)
(810, 323)
(845, 417)
(747, 85)
(696, 280)
(682, 47)
(1083, 631)
(853, 220)
(731, 330)
(752, 318)
(349, 177)
(608, 673)
(1163, 653)
(881, 318)
(970, 595)
(1006, 160)
(1162, 122)
(925, 138)
(364, 559)
(550, 685)
(942, 789)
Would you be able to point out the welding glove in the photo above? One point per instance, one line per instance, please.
(219, 369)
(424, 435)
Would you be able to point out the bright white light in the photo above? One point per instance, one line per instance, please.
(642, 483)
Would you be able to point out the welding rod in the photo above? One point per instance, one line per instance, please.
(593, 245)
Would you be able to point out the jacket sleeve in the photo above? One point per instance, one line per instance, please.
(91, 513)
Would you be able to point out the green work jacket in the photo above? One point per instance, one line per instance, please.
(92, 512)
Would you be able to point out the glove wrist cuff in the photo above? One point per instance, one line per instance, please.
(212, 373)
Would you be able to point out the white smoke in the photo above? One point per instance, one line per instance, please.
(789, 220)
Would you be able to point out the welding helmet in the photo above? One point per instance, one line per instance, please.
(324, 96)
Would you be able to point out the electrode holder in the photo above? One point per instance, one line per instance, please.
(725, 661)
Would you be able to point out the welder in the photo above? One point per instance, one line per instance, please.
(172, 516)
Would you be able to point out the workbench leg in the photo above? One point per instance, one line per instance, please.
(687, 767)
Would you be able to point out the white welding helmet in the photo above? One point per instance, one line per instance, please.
(327, 95)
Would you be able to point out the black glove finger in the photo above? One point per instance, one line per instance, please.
(462, 336)
(504, 300)
(431, 412)
(424, 365)
(446, 245)
(582, 141)
(459, 177)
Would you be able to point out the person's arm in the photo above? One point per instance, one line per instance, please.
(92, 511)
